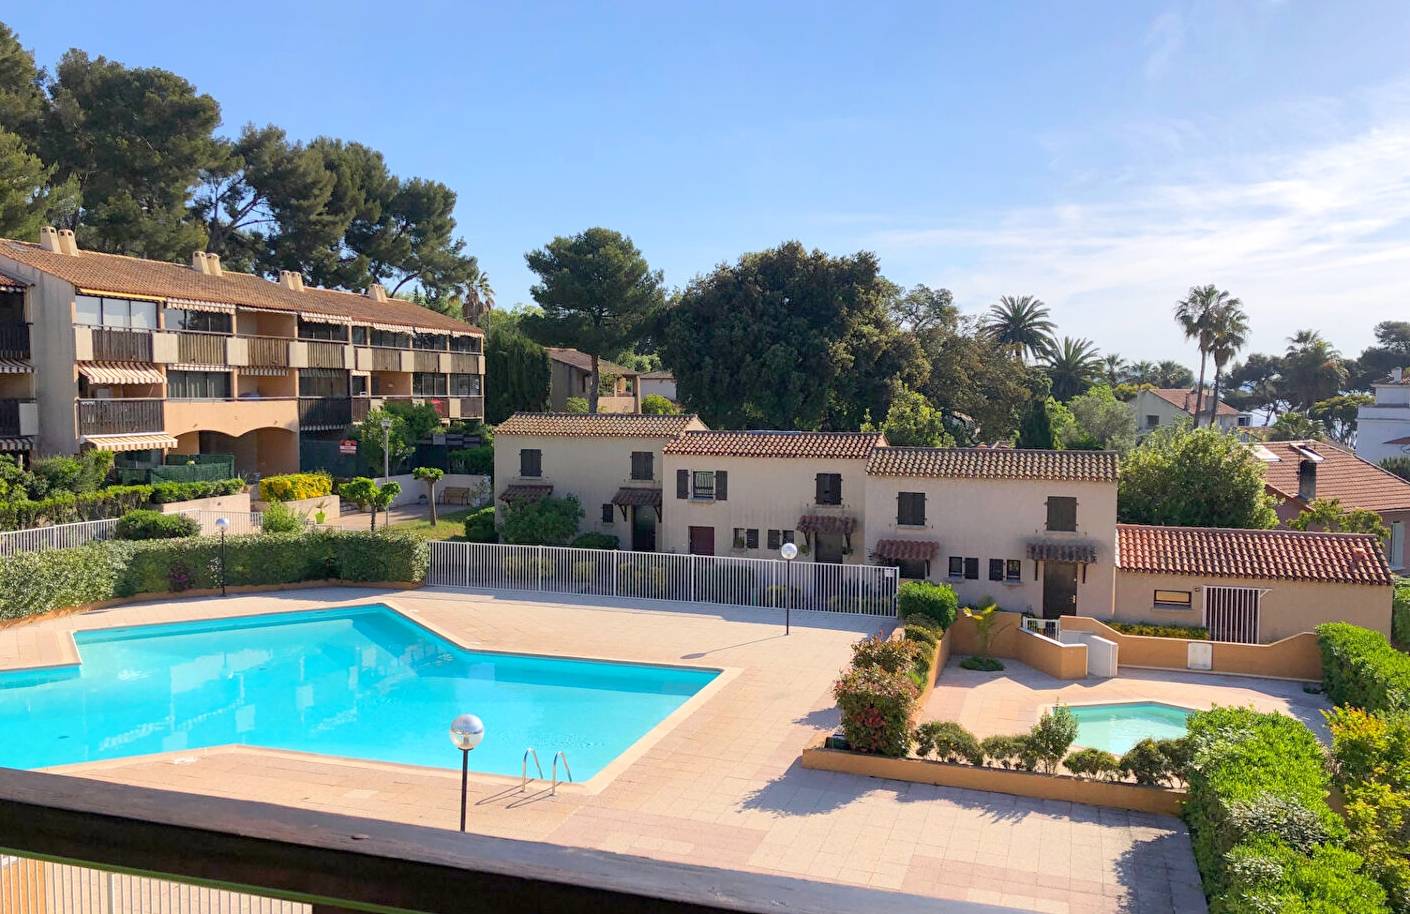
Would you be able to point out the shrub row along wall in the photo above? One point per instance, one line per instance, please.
(114, 501)
(1362, 669)
(38, 582)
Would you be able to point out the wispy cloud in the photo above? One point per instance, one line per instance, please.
(1164, 39)
(1318, 238)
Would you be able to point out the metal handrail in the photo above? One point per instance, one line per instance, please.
(560, 754)
(524, 769)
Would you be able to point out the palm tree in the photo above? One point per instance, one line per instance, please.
(1170, 373)
(1193, 314)
(1142, 372)
(1228, 332)
(1115, 367)
(1020, 324)
(1073, 365)
(1313, 369)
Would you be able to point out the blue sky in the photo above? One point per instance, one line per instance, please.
(1101, 156)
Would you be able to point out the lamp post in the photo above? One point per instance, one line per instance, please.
(220, 524)
(386, 465)
(789, 551)
(466, 732)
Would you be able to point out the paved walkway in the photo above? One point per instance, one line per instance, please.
(722, 788)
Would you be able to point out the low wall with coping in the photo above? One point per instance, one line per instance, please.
(239, 503)
(1009, 640)
(328, 504)
(1296, 657)
(1115, 794)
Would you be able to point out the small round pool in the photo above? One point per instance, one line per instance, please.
(1119, 726)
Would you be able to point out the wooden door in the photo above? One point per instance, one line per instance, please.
(1059, 589)
(702, 540)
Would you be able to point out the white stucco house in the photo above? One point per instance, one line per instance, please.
(1383, 428)
(1157, 407)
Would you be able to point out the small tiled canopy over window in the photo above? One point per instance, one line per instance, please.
(530, 462)
(1062, 513)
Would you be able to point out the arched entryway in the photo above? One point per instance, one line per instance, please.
(259, 452)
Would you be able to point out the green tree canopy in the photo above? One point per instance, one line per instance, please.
(788, 338)
(913, 422)
(516, 366)
(541, 522)
(980, 385)
(597, 293)
(1036, 429)
(1329, 515)
(1187, 477)
(657, 405)
(1020, 324)
(1102, 421)
(1296, 426)
(1072, 366)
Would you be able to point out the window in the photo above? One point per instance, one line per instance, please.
(910, 509)
(92, 311)
(996, 569)
(198, 385)
(956, 566)
(1397, 544)
(199, 321)
(465, 344)
(391, 340)
(829, 489)
(751, 538)
(643, 465)
(323, 382)
(465, 385)
(359, 336)
(1062, 513)
(359, 385)
(435, 341)
(318, 330)
(1152, 420)
(428, 384)
(703, 485)
(530, 462)
(971, 569)
(1174, 599)
(607, 516)
(1242, 421)
(913, 569)
(778, 537)
(739, 534)
(1013, 571)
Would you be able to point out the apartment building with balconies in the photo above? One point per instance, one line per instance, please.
(140, 357)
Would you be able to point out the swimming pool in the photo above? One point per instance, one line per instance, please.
(364, 682)
(1117, 727)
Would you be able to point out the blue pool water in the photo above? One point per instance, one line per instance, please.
(1118, 727)
(364, 682)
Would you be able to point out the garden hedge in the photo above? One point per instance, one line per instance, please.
(936, 602)
(38, 582)
(1150, 630)
(154, 525)
(876, 707)
(1360, 668)
(114, 501)
(295, 486)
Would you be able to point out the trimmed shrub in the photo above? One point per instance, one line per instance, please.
(479, 526)
(936, 602)
(68, 508)
(891, 656)
(280, 518)
(38, 582)
(1265, 875)
(1096, 764)
(542, 522)
(476, 461)
(982, 664)
(1360, 668)
(1371, 754)
(1191, 632)
(876, 708)
(154, 525)
(657, 405)
(595, 541)
(164, 493)
(1007, 751)
(947, 741)
(922, 635)
(1400, 613)
(1157, 763)
(295, 486)
(1051, 737)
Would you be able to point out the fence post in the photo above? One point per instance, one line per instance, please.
(690, 576)
(539, 563)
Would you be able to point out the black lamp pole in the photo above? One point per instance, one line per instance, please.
(464, 785)
(788, 600)
(222, 561)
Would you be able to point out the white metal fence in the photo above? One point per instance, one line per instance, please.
(66, 536)
(29, 886)
(867, 589)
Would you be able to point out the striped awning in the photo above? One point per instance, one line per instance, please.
(264, 371)
(192, 304)
(17, 442)
(120, 372)
(630, 495)
(153, 441)
(827, 523)
(196, 366)
(15, 366)
(906, 550)
(1049, 550)
(9, 283)
(132, 296)
(323, 372)
(525, 493)
(312, 317)
(392, 328)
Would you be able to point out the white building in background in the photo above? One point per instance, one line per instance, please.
(1157, 407)
(659, 382)
(1383, 428)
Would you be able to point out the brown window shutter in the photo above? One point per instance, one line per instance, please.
(721, 485)
(682, 483)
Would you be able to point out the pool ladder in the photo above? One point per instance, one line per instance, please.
(530, 753)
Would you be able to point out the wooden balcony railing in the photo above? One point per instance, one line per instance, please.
(426, 361)
(112, 344)
(325, 412)
(268, 352)
(9, 417)
(14, 340)
(117, 417)
(464, 363)
(386, 360)
(361, 406)
(325, 355)
(200, 348)
(472, 407)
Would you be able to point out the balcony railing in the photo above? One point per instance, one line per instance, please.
(112, 344)
(14, 340)
(9, 417)
(325, 355)
(386, 360)
(325, 412)
(427, 361)
(200, 348)
(361, 406)
(117, 417)
(472, 407)
(268, 352)
(464, 363)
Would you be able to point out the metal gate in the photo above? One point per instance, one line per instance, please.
(1231, 613)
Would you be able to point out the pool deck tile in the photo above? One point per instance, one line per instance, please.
(723, 787)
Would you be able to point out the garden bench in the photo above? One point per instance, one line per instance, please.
(455, 495)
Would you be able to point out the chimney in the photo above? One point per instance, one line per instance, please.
(213, 265)
(291, 280)
(67, 243)
(377, 292)
(49, 239)
(198, 262)
(1307, 480)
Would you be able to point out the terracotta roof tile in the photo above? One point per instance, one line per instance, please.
(993, 463)
(1185, 399)
(159, 279)
(1285, 555)
(599, 425)
(836, 445)
(1341, 475)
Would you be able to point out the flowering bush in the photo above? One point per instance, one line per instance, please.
(876, 706)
